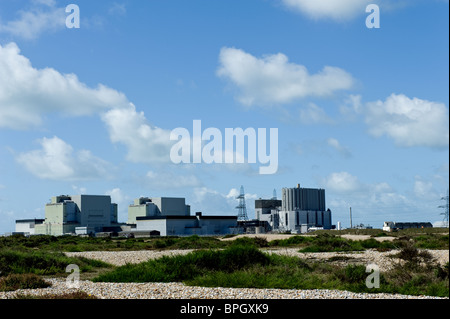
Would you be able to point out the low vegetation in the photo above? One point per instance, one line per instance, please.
(22, 281)
(321, 240)
(247, 266)
(25, 261)
(42, 262)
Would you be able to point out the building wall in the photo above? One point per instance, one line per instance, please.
(152, 224)
(217, 226)
(95, 210)
(171, 206)
(143, 210)
(303, 199)
(27, 226)
(54, 213)
(183, 226)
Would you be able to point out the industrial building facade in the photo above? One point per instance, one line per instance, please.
(170, 216)
(157, 206)
(187, 225)
(76, 214)
(299, 210)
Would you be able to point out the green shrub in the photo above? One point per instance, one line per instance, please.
(41, 262)
(22, 281)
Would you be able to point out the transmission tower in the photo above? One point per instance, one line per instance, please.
(242, 208)
(445, 207)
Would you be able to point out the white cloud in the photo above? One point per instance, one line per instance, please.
(27, 93)
(57, 160)
(343, 182)
(313, 114)
(338, 10)
(335, 144)
(117, 9)
(122, 200)
(169, 180)
(409, 122)
(212, 202)
(42, 16)
(145, 143)
(272, 79)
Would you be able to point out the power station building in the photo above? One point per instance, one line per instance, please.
(76, 214)
(298, 210)
(168, 216)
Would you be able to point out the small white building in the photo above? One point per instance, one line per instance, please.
(27, 226)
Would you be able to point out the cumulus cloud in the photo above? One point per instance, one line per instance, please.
(340, 10)
(313, 114)
(42, 16)
(409, 122)
(212, 202)
(27, 93)
(145, 143)
(335, 144)
(170, 180)
(272, 79)
(57, 160)
(343, 182)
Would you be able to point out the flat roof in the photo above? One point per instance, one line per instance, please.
(30, 220)
(184, 217)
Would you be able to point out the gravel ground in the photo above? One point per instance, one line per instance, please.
(180, 291)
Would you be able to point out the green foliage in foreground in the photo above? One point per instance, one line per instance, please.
(246, 266)
(41, 262)
(321, 241)
(22, 281)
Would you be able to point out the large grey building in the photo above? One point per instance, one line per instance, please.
(169, 216)
(77, 214)
(157, 206)
(299, 210)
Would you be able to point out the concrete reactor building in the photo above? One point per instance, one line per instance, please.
(75, 214)
(299, 210)
(166, 216)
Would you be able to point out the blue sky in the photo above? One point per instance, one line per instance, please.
(360, 112)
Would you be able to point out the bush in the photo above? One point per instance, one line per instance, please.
(326, 243)
(184, 267)
(22, 281)
(41, 262)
